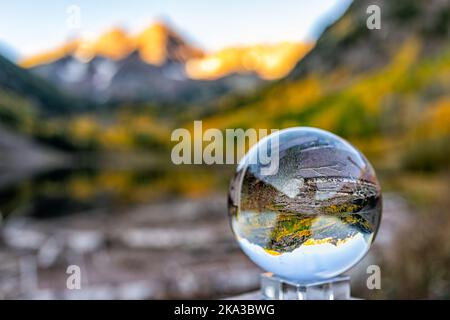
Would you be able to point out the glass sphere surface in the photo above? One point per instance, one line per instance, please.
(312, 218)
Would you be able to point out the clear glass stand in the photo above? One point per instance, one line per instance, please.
(277, 288)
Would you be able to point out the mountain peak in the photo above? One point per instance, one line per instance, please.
(269, 61)
(159, 43)
(114, 44)
(156, 45)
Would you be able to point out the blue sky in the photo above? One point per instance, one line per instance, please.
(32, 26)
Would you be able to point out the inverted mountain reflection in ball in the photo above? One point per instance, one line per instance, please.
(316, 216)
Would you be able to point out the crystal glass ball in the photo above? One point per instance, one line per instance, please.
(315, 215)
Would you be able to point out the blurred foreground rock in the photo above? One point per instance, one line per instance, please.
(177, 249)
